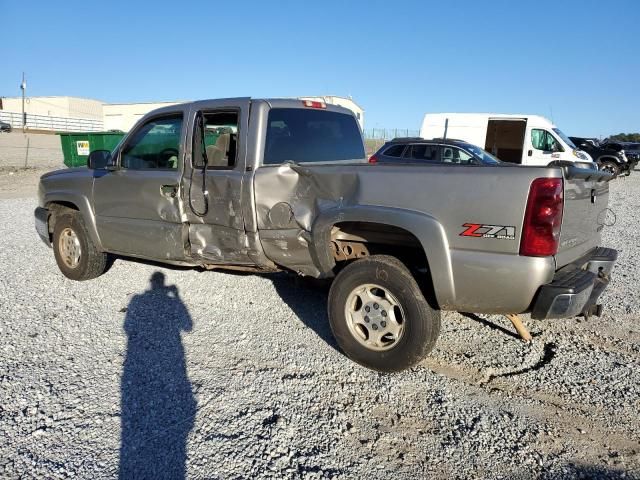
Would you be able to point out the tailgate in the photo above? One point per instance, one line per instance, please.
(586, 196)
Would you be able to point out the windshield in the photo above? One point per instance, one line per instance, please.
(564, 138)
(480, 154)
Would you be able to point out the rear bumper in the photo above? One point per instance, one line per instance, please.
(42, 224)
(575, 289)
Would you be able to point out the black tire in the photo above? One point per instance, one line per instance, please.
(92, 263)
(610, 167)
(421, 322)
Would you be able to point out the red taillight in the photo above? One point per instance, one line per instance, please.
(543, 218)
(314, 104)
(373, 159)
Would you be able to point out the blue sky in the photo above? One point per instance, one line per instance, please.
(575, 61)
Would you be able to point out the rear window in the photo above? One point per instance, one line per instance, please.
(304, 135)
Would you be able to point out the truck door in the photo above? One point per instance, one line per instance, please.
(543, 147)
(505, 138)
(136, 205)
(214, 181)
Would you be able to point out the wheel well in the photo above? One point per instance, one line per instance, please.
(353, 240)
(58, 208)
(609, 159)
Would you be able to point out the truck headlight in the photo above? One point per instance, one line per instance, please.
(577, 153)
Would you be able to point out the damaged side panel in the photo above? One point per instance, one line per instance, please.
(289, 199)
(214, 210)
(297, 207)
(218, 236)
(302, 191)
(290, 248)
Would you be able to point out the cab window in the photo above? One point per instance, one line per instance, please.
(219, 144)
(425, 152)
(155, 145)
(456, 155)
(543, 140)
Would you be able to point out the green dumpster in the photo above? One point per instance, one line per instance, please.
(76, 146)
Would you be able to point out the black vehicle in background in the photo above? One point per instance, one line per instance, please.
(631, 157)
(436, 151)
(5, 127)
(610, 156)
(632, 151)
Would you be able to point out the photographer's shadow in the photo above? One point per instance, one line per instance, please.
(157, 402)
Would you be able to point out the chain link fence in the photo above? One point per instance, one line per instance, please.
(374, 138)
(56, 124)
(389, 133)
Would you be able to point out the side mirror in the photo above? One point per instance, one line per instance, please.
(98, 159)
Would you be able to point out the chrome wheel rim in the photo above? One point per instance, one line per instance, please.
(375, 317)
(69, 248)
(608, 169)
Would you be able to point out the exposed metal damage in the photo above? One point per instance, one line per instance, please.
(289, 200)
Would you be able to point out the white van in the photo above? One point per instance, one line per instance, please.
(522, 139)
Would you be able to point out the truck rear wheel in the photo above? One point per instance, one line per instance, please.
(76, 255)
(379, 316)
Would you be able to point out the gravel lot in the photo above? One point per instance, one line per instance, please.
(154, 372)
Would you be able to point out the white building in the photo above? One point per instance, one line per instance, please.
(123, 116)
(64, 107)
(74, 113)
(62, 114)
(343, 102)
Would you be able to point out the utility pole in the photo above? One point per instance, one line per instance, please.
(23, 87)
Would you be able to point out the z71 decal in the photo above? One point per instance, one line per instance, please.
(489, 231)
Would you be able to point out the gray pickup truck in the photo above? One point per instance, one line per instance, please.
(279, 184)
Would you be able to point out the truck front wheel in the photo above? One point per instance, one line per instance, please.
(379, 316)
(76, 255)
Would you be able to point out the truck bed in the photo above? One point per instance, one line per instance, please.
(470, 273)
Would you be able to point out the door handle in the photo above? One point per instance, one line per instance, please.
(169, 191)
(530, 152)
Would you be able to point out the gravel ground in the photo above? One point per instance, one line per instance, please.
(154, 372)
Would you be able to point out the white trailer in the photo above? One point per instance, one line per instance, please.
(521, 139)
